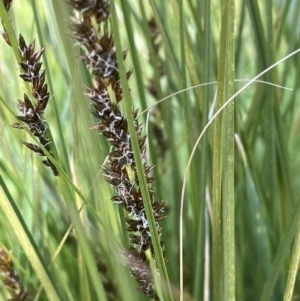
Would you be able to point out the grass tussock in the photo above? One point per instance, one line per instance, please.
(87, 222)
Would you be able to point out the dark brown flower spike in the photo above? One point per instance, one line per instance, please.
(120, 171)
(11, 279)
(31, 114)
(139, 268)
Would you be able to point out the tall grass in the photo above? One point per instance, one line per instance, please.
(233, 233)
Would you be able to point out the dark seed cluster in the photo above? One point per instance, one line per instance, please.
(31, 115)
(120, 171)
(11, 279)
(139, 269)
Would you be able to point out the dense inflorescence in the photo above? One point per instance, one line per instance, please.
(11, 279)
(120, 171)
(139, 268)
(31, 117)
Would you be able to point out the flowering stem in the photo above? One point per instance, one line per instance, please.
(140, 170)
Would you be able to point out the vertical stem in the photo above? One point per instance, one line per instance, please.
(223, 166)
(228, 159)
(202, 225)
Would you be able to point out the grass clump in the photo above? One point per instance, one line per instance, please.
(225, 167)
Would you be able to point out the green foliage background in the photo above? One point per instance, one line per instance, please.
(241, 210)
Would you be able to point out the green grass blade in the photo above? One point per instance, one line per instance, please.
(216, 207)
(226, 89)
(205, 11)
(223, 178)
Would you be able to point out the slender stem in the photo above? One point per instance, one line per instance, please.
(141, 176)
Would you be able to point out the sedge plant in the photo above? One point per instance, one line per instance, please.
(159, 175)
